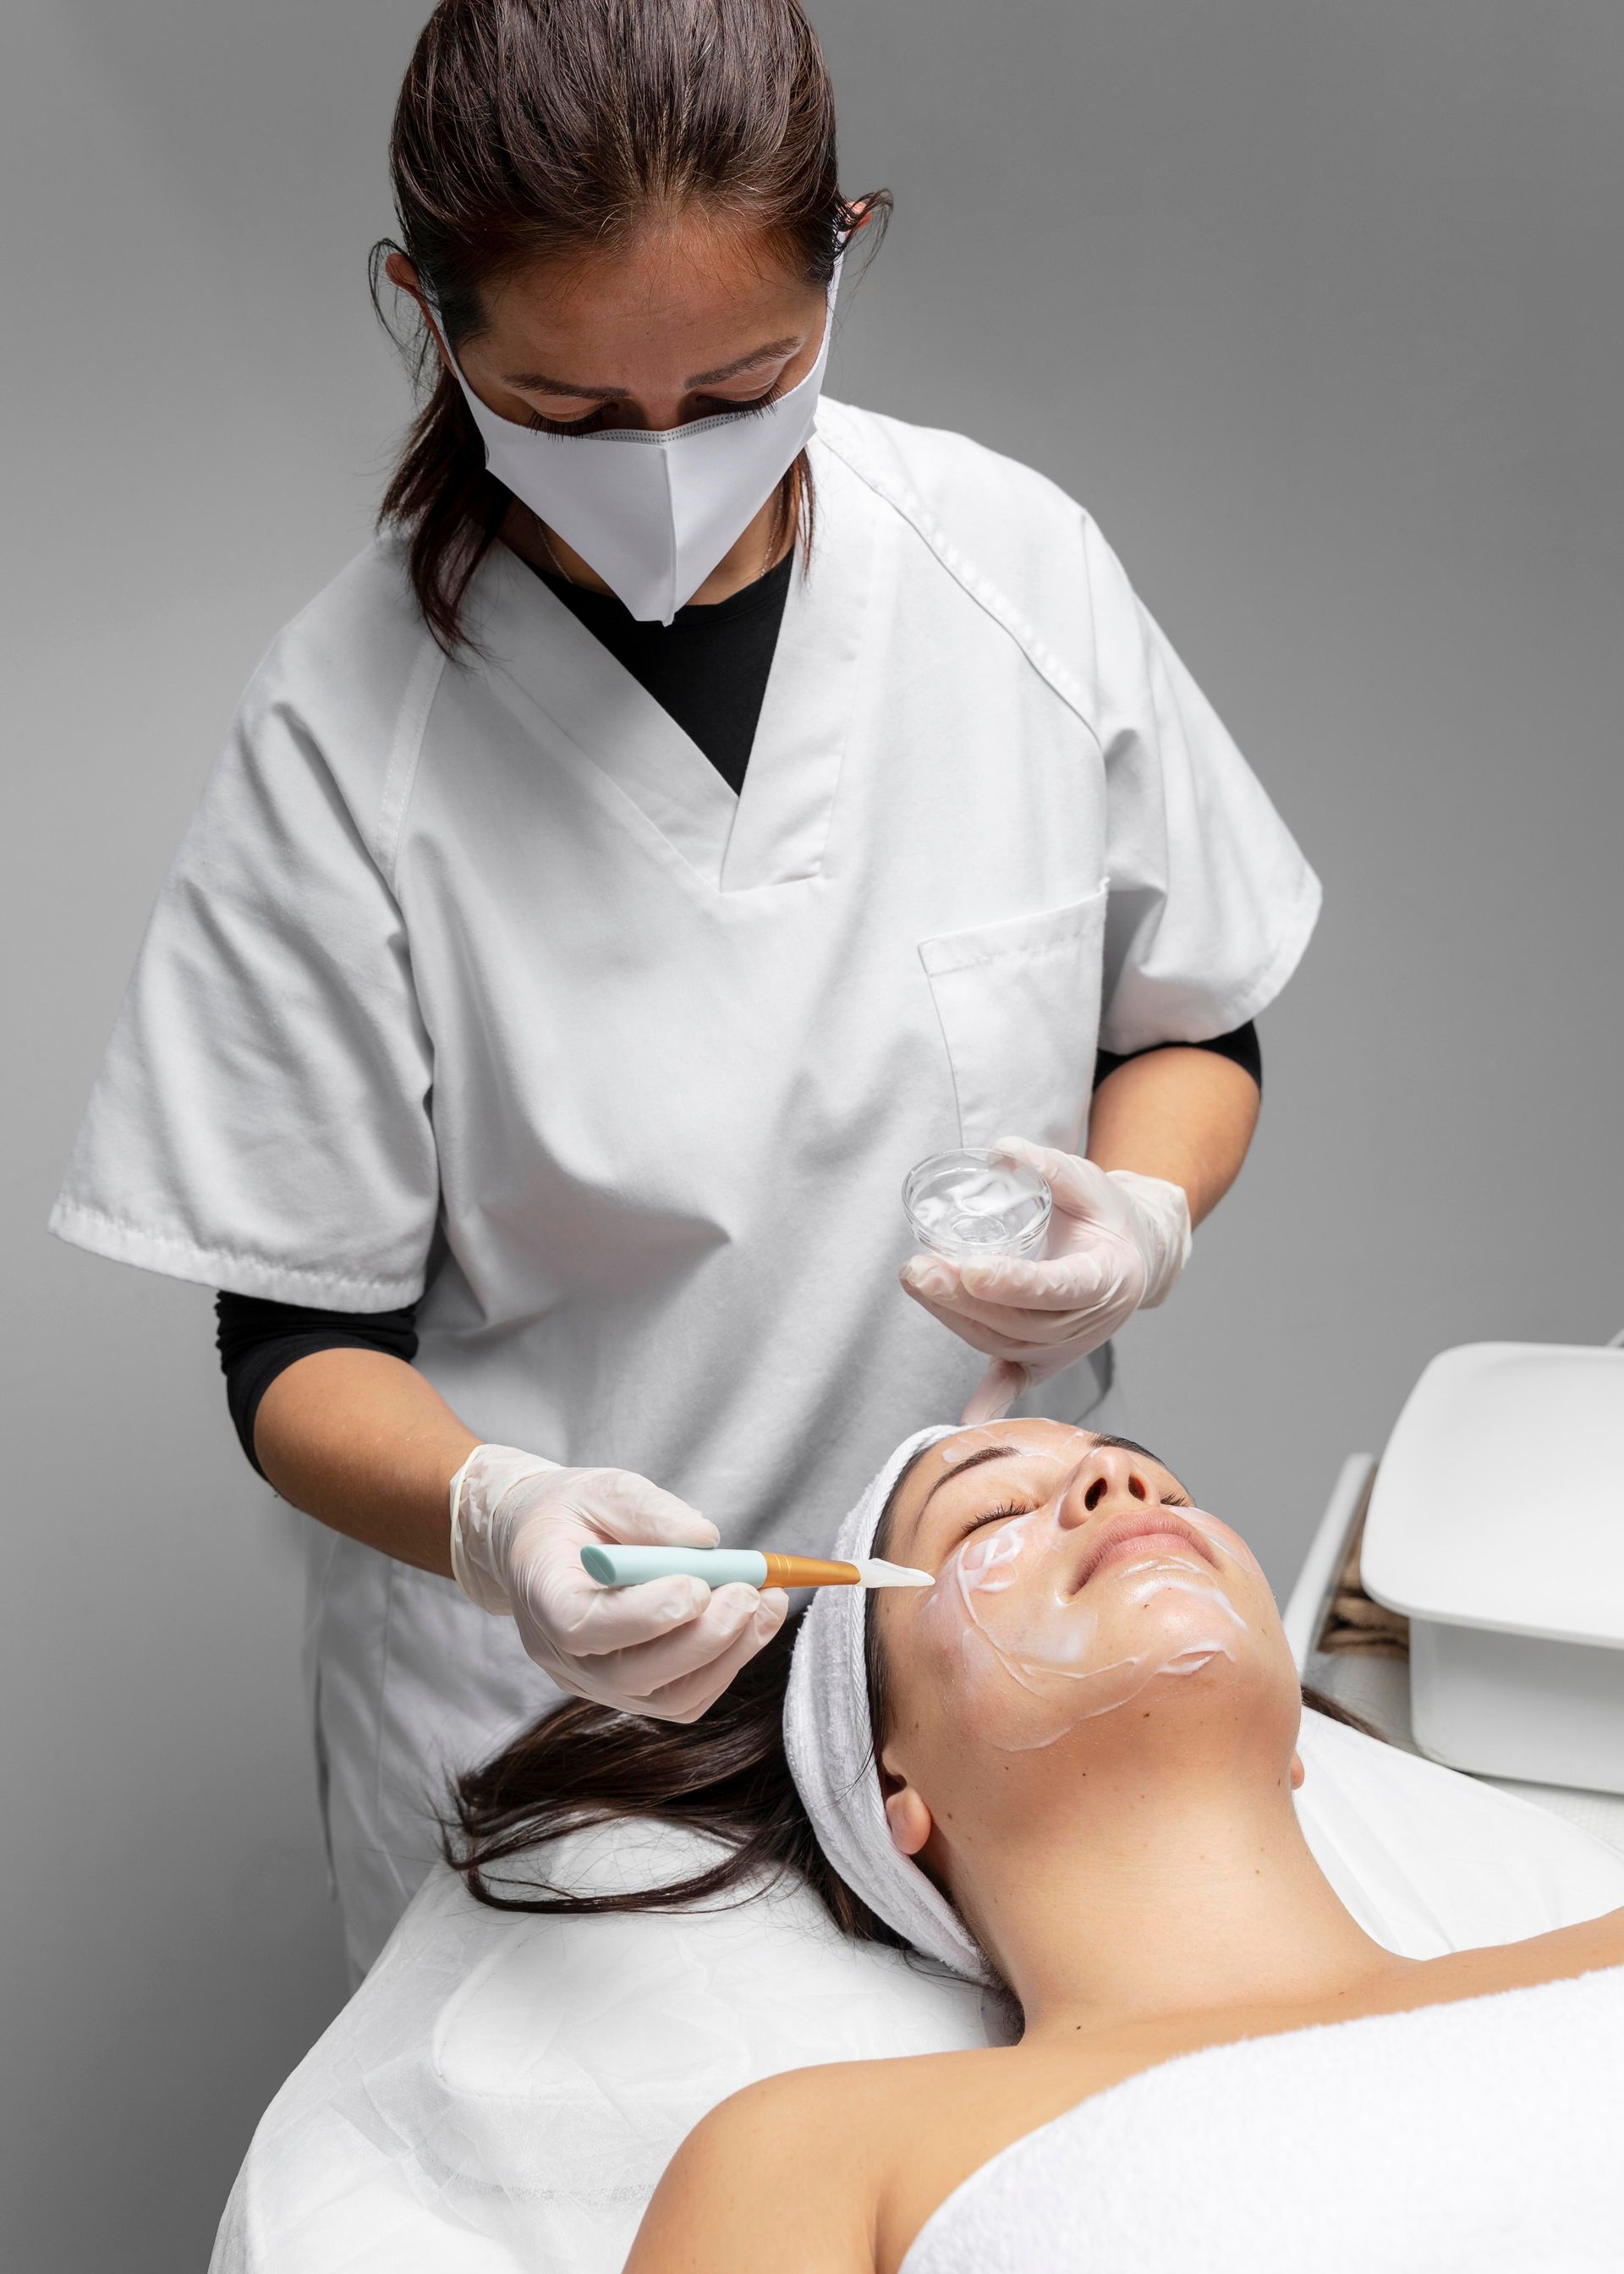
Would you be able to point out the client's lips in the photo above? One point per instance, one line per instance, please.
(1141, 1524)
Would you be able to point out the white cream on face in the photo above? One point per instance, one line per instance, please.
(963, 1443)
(1007, 1591)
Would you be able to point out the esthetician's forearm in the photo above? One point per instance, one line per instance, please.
(363, 1442)
(1184, 1115)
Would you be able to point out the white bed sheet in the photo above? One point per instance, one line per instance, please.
(503, 2091)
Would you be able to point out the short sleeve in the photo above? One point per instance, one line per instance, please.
(261, 1122)
(1210, 902)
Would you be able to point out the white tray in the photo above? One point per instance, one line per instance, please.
(1499, 1503)
(1541, 1716)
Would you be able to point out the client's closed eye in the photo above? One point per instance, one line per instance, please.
(1025, 1508)
(996, 1515)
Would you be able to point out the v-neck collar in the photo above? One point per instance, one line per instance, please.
(542, 659)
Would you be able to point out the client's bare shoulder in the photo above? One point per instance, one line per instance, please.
(800, 2172)
(1559, 1955)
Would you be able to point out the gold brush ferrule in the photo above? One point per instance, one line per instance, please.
(810, 1572)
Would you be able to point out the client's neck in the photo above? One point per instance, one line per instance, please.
(1168, 1901)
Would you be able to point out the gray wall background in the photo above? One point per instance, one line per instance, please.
(1317, 308)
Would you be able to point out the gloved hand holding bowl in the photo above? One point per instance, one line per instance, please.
(1035, 1257)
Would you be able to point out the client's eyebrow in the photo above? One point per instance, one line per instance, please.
(1130, 1445)
(970, 1461)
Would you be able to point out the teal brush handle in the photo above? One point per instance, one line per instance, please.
(629, 1567)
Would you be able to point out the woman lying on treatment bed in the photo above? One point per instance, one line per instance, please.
(1068, 1766)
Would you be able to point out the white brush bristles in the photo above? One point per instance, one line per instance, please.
(876, 1572)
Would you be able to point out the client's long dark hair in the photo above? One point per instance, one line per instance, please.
(726, 1776)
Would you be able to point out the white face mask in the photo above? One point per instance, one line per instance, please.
(653, 513)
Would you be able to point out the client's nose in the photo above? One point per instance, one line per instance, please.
(1108, 1478)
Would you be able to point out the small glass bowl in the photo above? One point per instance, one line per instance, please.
(968, 1203)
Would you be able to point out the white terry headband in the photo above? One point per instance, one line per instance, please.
(831, 1748)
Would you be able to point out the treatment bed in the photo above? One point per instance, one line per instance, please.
(503, 2091)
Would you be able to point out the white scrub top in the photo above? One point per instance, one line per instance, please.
(473, 982)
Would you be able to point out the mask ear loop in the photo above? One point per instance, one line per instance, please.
(437, 324)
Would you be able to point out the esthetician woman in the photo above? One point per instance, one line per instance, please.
(702, 802)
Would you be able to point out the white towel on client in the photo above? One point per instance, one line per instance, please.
(1455, 2140)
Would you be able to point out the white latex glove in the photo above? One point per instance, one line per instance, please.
(1117, 1243)
(668, 1648)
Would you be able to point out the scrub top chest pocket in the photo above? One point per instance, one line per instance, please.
(1018, 1004)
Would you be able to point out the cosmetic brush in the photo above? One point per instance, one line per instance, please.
(629, 1567)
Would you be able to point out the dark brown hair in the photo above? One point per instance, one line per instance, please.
(548, 129)
(726, 1776)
